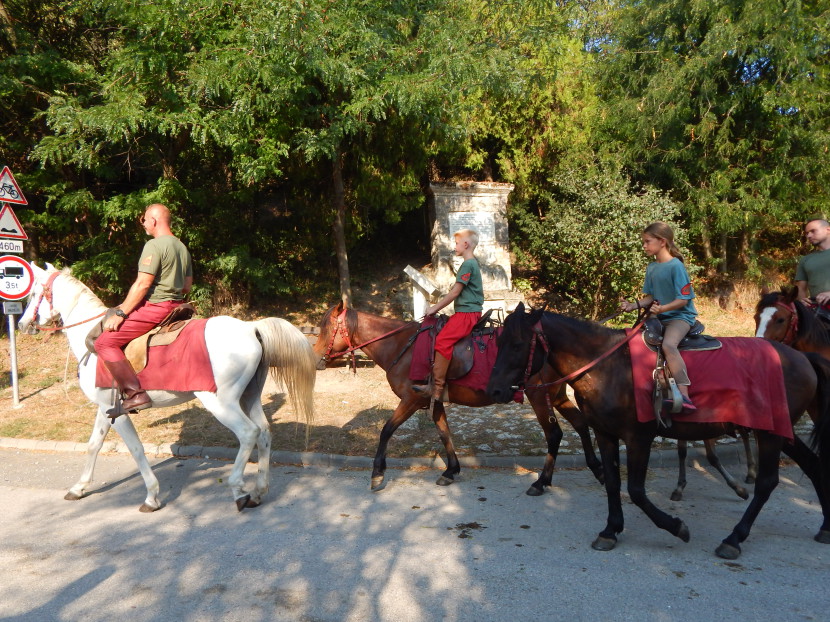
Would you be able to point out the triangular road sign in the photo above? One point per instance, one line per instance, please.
(10, 225)
(9, 190)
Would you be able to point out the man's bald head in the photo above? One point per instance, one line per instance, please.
(156, 220)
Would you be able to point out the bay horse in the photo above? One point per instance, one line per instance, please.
(603, 384)
(384, 340)
(781, 316)
(241, 355)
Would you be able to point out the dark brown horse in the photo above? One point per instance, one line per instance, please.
(781, 316)
(384, 340)
(605, 395)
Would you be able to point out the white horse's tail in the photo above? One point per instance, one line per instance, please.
(293, 364)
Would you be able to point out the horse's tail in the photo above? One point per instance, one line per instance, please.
(820, 438)
(288, 355)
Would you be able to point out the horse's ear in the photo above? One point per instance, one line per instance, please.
(791, 294)
(36, 270)
(520, 308)
(50, 267)
(536, 315)
(338, 309)
(764, 290)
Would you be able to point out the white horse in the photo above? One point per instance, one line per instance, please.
(241, 353)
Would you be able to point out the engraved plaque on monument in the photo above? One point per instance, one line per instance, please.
(481, 206)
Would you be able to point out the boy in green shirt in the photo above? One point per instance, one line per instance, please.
(468, 296)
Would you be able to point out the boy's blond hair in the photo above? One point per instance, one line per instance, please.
(470, 234)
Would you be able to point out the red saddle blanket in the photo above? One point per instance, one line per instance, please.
(741, 383)
(183, 365)
(483, 361)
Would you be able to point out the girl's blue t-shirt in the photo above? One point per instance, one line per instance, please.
(669, 281)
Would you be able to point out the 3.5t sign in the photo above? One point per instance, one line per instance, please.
(16, 278)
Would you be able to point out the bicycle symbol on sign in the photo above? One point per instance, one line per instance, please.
(8, 190)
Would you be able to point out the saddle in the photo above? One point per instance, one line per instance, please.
(694, 340)
(665, 387)
(165, 333)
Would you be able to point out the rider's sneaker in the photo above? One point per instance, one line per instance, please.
(688, 405)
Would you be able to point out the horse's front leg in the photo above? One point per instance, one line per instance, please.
(810, 464)
(682, 452)
(714, 460)
(408, 405)
(638, 452)
(609, 450)
(553, 438)
(439, 417)
(126, 430)
(93, 448)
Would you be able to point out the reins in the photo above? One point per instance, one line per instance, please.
(539, 335)
(47, 293)
(340, 327)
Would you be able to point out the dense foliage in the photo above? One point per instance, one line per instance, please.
(288, 135)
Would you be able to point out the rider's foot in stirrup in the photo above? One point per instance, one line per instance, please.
(688, 405)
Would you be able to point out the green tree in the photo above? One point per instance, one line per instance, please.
(723, 104)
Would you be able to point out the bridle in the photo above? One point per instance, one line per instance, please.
(46, 293)
(792, 327)
(340, 328)
(539, 335)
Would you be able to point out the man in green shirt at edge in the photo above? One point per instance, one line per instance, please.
(165, 275)
(812, 277)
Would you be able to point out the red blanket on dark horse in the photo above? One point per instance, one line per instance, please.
(741, 383)
(183, 365)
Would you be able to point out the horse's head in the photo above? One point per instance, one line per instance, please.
(337, 329)
(518, 357)
(40, 310)
(776, 316)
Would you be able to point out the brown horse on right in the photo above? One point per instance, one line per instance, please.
(781, 316)
(385, 340)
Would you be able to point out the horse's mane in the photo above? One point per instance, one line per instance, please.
(81, 296)
(810, 328)
(351, 319)
(594, 329)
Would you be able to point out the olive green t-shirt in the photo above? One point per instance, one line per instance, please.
(815, 269)
(471, 297)
(169, 261)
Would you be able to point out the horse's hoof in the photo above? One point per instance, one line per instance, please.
(742, 493)
(683, 532)
(242, 503)
(71, 496)
(750, 479)
(822, 536)
(604, 544)
(146, 508)
(444, 481)
(727, 551)
(677, 495)
(253, 504)
(378, 483)
(535, 492)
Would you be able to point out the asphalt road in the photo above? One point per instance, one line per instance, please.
(323, 547)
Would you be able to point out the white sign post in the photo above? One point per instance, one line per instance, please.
(16, 277)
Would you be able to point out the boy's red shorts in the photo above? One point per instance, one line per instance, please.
(457, 327)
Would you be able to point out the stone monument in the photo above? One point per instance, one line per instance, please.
(481, 206)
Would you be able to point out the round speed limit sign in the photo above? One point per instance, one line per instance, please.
(16, 278)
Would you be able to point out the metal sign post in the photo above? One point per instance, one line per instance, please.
(16, 277)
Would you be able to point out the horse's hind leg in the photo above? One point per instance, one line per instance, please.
(404, 411)
(251, 403)
(809, 463)
(769, 452)
(229, 413)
